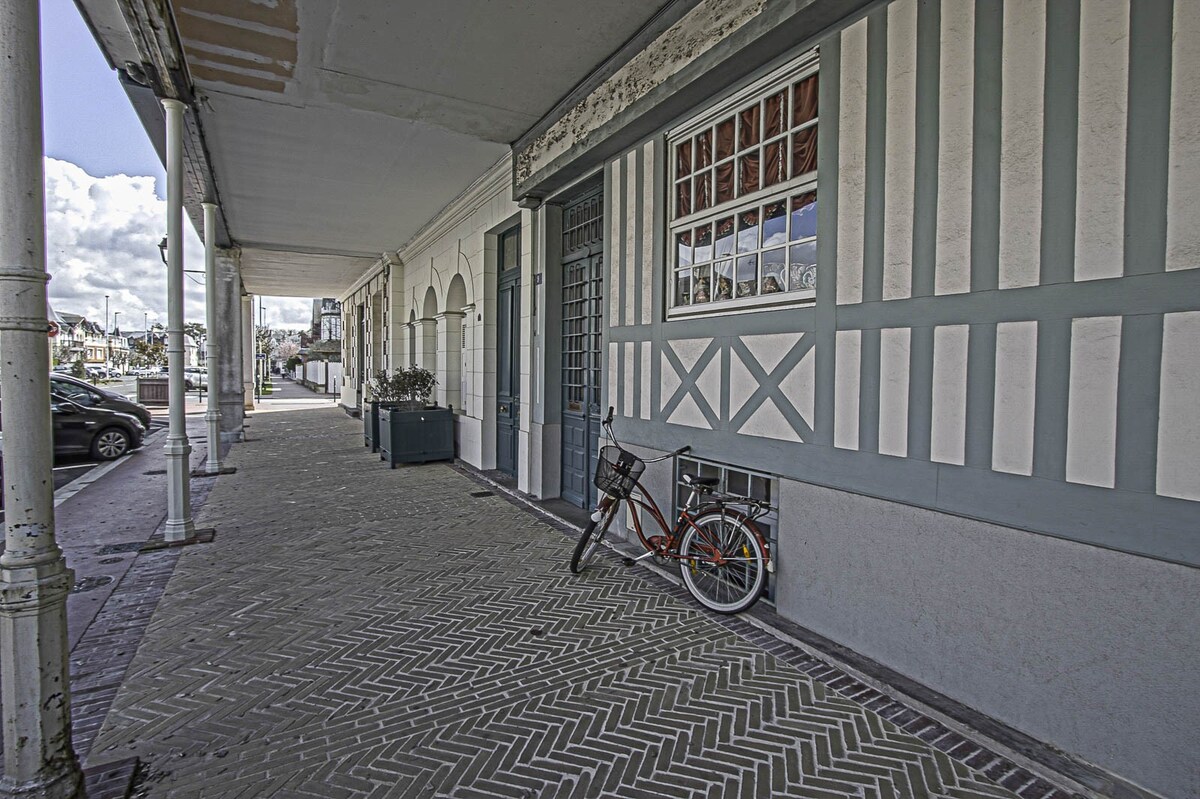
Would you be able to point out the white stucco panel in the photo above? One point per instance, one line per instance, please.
(1183, 181)
(644, 350)
(1179, 407)
(1103, 118)
(668, 379)
(949, 406)
(769, 422)
(633, 255)
(800, 386)
(628, 407)
(1092, 403)
(900, 149)
(613, 389)
(689, 413)
(852, 164)
(955, 149)
(649, 231)
(770, 350)
(1021, 142)
(847, 365)
(689, 350)
(741, 384)
(894, 346)
(1012, 420)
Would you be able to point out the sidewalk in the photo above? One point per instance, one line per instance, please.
(359, 631)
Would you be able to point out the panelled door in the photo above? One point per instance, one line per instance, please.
(582, 320)
(508, 350)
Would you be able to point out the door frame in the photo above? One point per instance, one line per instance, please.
(508, 406)
(586, 250)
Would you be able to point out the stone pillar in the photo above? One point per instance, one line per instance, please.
(34, 579)
(427, 341)
(228, 335)
(248, 351)
(449, 359)
(212, 414)
(179, 526)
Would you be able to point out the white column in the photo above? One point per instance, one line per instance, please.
(179, 526)
(248, 350)
(212, 415)
(34, 579)
(449, 359)
(427, 341)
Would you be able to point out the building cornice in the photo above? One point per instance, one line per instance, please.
(497, 179)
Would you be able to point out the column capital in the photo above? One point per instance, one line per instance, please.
(171, 104)
(449, 315)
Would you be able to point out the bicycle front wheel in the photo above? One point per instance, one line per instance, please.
(723, 563)
(589, 540)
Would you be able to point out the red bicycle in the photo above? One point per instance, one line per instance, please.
(723, 557)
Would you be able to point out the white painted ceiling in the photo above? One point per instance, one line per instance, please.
(337, 128)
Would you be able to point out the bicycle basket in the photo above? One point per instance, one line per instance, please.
(617, 472)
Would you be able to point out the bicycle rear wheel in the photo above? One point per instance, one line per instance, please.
(723, 563)
(589, 540)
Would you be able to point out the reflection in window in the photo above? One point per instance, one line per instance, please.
(745, 201)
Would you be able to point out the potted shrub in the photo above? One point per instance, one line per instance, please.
(412, 430)
(383, 390)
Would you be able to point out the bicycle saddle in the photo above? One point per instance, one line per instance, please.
(707, 482)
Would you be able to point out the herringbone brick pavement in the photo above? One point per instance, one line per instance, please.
(356, 631)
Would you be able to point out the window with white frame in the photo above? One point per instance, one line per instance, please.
(743, 229)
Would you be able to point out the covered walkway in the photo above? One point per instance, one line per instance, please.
(358, 631)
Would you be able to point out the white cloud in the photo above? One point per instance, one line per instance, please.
(102, 236)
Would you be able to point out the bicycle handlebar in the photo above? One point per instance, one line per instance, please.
(607, 423)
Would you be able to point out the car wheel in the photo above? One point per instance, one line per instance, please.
(110, 443)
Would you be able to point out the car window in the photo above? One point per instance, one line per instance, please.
(71, 390)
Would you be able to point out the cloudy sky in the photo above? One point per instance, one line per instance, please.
(105, 190)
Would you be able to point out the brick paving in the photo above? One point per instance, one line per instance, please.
(357, 631)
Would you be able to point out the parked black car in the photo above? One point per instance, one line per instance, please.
(103, 433)
(89, 396)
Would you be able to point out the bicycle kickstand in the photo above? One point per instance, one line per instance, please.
(631, 561)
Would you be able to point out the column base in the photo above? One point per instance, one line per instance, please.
(33, 602)
(206, 472)
(204, 535)
(64, 786)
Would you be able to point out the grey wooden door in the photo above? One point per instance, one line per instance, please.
(582, 320)
(508, 351)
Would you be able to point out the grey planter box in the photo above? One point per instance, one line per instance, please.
(371, 427)
(416, 436)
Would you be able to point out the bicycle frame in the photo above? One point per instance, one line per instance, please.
(668, 547)
(672, 535)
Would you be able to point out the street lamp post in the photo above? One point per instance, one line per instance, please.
(107, 352)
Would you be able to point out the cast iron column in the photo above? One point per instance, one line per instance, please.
(248, 344)
(34, 579)
(213, 414)
(179, 500)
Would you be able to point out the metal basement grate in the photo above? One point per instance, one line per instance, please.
(113, 549)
